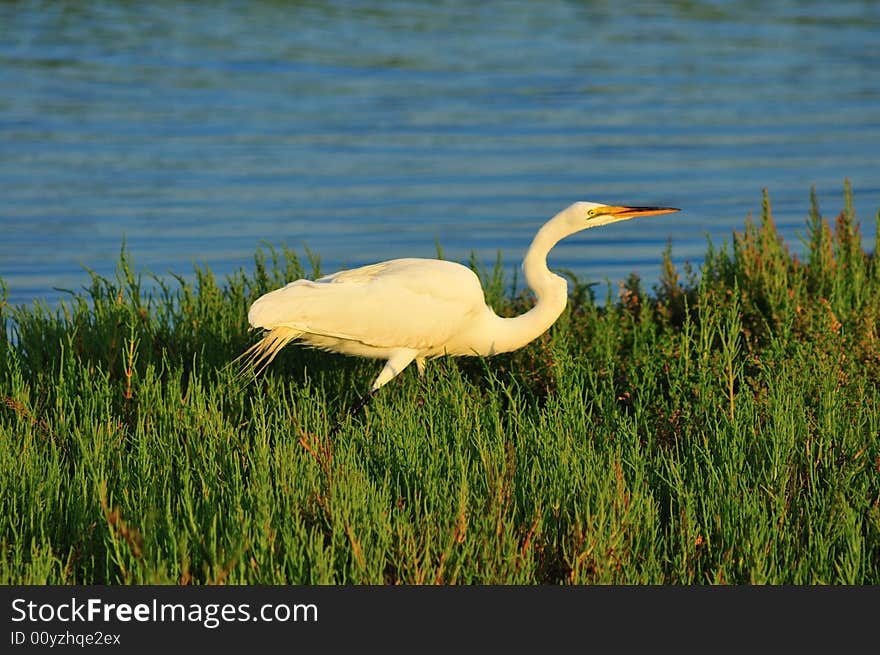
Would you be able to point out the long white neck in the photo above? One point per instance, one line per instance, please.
(551, 292)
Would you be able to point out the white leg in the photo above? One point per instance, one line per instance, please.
(395, 364)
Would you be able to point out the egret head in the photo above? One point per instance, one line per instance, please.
(593, 214)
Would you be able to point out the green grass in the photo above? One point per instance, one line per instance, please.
(721, 428)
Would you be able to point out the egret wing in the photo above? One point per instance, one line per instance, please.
(411, 303)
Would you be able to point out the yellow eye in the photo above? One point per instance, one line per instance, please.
(591, 213)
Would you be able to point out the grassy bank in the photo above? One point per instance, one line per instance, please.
(718, 428)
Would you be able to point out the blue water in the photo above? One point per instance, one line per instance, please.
(372, 130)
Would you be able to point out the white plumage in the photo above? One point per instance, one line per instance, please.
(416, 309)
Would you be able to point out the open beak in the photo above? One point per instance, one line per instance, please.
(621, 212)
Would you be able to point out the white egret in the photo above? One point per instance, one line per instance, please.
(406, 310)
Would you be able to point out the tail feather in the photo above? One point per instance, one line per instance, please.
(255, 359)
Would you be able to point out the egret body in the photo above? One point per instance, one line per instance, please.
(406, 310)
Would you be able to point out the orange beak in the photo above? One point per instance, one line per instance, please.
(632, 212)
